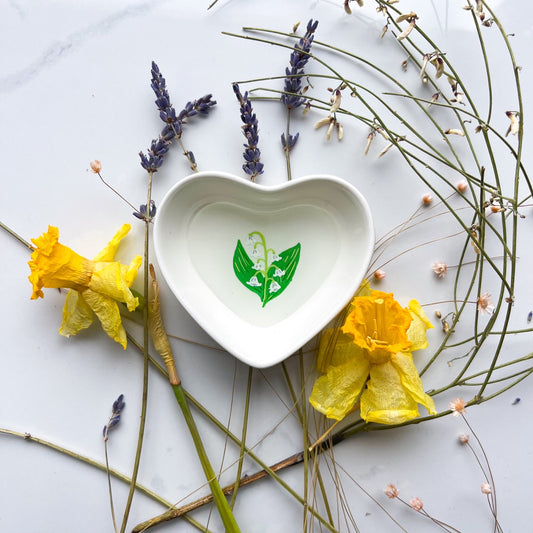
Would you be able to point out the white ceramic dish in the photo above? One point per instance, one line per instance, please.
(263, 269)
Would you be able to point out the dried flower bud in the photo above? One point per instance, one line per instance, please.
(514, 117)
(340, 131)
(440, 269)
(438, 63)
(438, 314)
(391, 491)
(332, 122)
(347, 7)
(407, 16)
(486, 488)
(405, 33)
(427, 199)
(463, 439)
(369, 140)
(462, 186)
(379, 275)
(96, 166)
(157, 330)
(452, 131)
(322, 122)
(425, 61)
(416, 504)
(336, 102)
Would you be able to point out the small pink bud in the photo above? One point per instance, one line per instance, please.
(427, 199)
(462, 186)
(486, 488)
(379, 274)
(391, 491)
(416, 504)
(96, 166)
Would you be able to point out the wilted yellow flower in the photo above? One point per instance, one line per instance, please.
(97, 285)
(371, 361)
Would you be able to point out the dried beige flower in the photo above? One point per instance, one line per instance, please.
(405, 33)
(440, 269)
(484, 304)
(391, 491)
(427, 199)
(96, 166)
(458, 406)
(416, 504)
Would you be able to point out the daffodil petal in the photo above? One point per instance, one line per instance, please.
(419, 325)
(109, 279)
(108, 253)
(385, 400)
(335, 393)
(77, 315)
(335, 349)
(411, 380)
(106, 309)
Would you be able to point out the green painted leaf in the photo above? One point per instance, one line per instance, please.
(287, 265)
(244, 269)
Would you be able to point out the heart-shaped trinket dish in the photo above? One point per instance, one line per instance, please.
(263, 269)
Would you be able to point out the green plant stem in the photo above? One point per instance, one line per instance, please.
(287, 147)
(223, 507)
(146, 334)
(242, 453)
(17, 237)
(109, 488)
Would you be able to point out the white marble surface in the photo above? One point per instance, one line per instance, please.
(75, 86)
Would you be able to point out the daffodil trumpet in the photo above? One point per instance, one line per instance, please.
(96, 286)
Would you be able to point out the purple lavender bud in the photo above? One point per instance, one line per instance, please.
(114, 419)
(292, 141)
(298, 60)
(156, 153)
(141, 214)
(250, 130)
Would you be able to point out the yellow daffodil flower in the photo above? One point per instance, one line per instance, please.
(371, 361)
(96, 285)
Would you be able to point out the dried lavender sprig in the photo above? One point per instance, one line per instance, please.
(156, 155)
(252, 166)
(114, 419)
(141, 213)
(167, 113)
(288, 146)
(298, 60)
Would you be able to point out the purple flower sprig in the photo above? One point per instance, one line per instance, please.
(299, 58)
(252, 166)
(156, 154)
(174, 122)
(114, 419)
